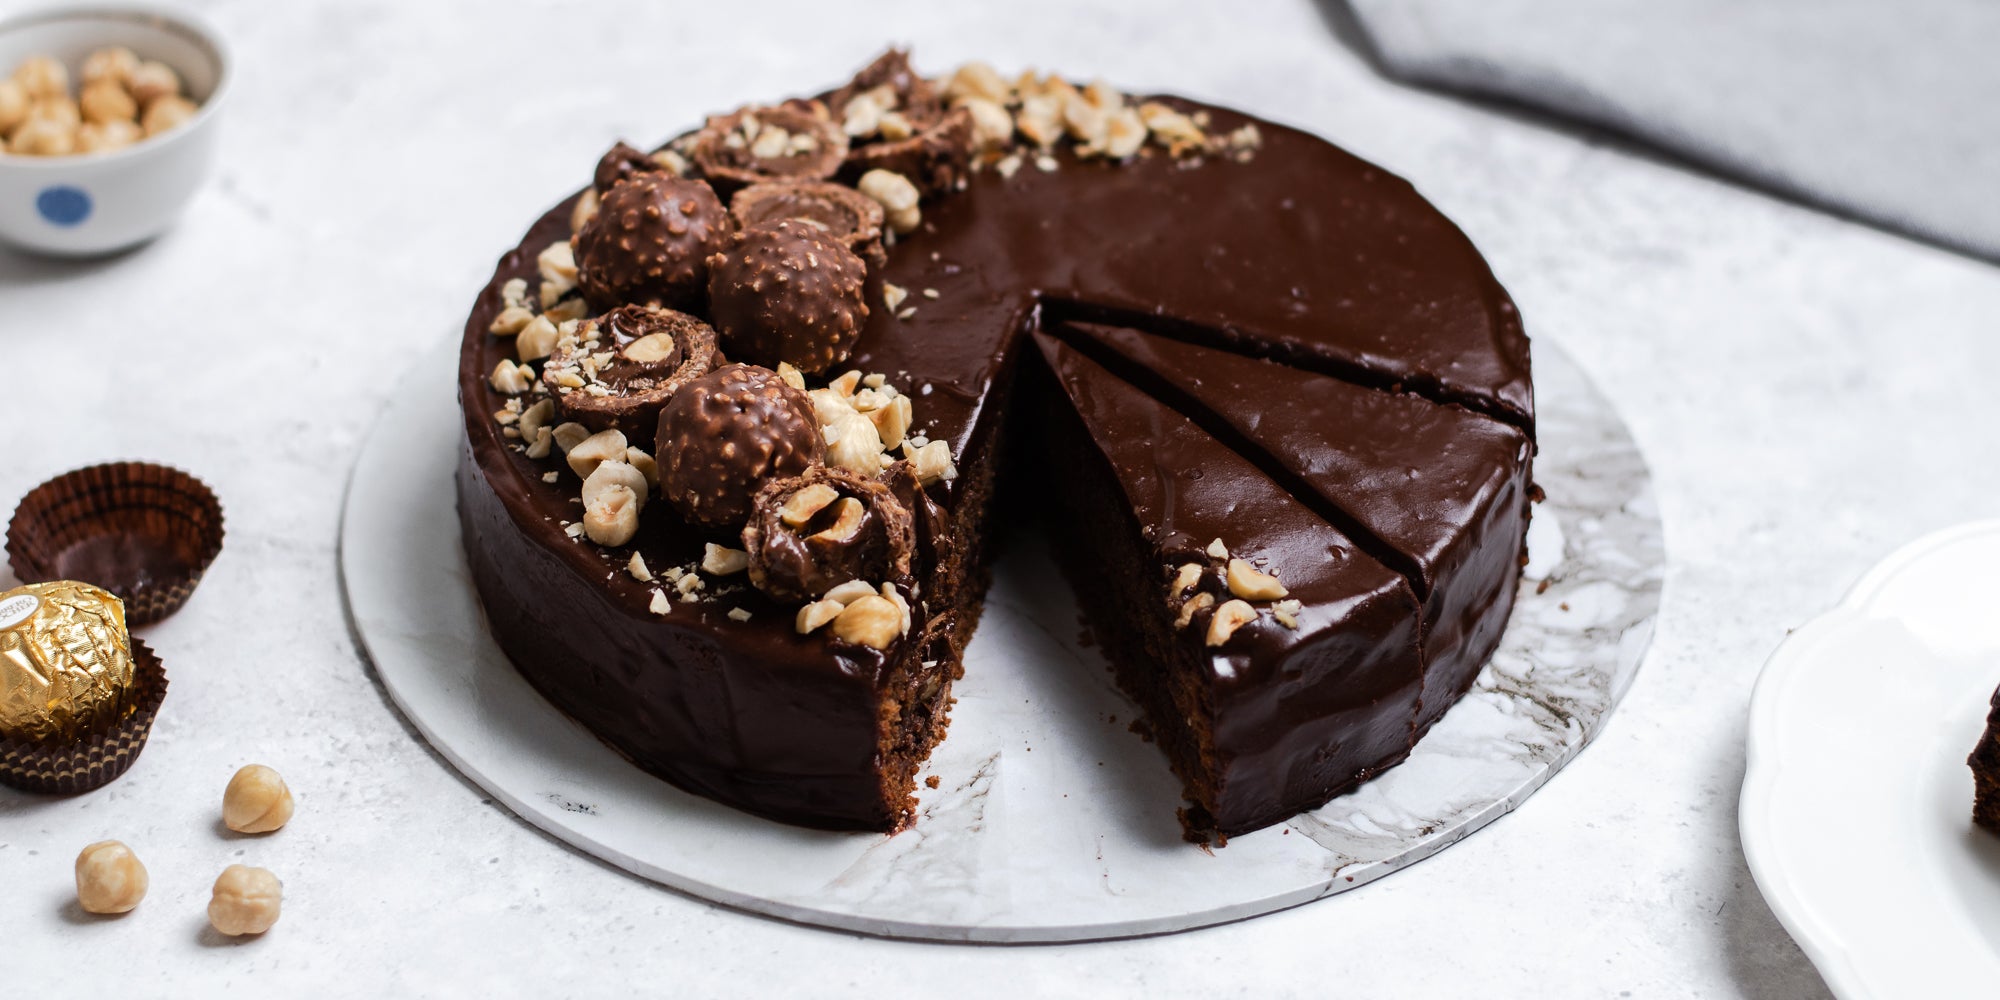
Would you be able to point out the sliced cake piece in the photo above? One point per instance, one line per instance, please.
(1277, 662)
(1436, 492)
(1985, 762)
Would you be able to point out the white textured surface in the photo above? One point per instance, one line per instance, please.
(1077, 841)
(1909, 658)
(1802, 388)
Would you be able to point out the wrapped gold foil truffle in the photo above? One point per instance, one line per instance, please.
(66, 668)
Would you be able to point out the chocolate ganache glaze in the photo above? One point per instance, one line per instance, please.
(1337, 272)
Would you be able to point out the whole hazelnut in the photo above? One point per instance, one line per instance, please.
(114, 64)
(166, 113)
(106, 101)
(43, 138)
(13, 105)
(256, 801)
(103, 137)
(152, 80)
(109, 878)
(60, 110)
(42, 77)
(245, 901)
(727, 433)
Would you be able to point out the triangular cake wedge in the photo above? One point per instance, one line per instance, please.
(1438, 492)
(1315, 694)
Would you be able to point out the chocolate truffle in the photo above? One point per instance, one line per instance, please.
(623, 366)
(650, 241)
(761, 144)
(813, 532)
(622, 161)
(726, 434)
(789, 291)
(846, 214)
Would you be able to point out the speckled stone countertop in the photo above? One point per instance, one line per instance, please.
(1807, 390)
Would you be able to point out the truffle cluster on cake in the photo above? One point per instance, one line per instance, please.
(1273, 407)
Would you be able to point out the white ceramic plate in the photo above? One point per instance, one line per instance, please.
(1051, 821)
(1856, 811)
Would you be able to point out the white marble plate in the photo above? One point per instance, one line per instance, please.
(1052, 821)
(1857, 805)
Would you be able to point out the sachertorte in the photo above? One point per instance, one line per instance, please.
(744, 418)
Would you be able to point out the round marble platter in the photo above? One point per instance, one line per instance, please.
(1052, 820)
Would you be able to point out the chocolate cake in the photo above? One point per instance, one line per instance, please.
(1212, 325)
(1985, 763)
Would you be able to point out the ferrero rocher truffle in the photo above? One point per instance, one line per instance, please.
(812, 532)
(622, 161)
(726, 434)
(66, 666)
(621, 367)
(789, 291)
(650, 241)
(846, 214)
(762, 144)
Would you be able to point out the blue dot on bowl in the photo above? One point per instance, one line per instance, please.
(63, 205)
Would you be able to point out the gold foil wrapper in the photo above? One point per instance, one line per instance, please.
(65, 662)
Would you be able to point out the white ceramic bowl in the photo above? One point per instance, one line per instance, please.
(97, 203)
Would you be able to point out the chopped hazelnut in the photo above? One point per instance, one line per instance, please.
(853, 443)
(992, 126)
(1194, 605)
(644, 463)
(603, 446)
(932, 461)
(816, 614)
(847, 521)
(510, 379)
(637, 567)
(978, 80)
(720, 560)
(892, 421)
(1041, 120)
(535, 418)
(659, 605)
(801, 506)
(1287, 613)
(1231, 616)
(612, 517)
(512, 320)
(1217, 550)
(538, 447)
(245, 901)
(569, 435)
(584, 210)
(871, 621)
(791, 376)
(1247, 582)
(256, 801)
(109, 878)
(897, 196)
(537, 340)
(1185, 578)
(1124, 134)
(612, 474)
(893, 295)
(849, 592)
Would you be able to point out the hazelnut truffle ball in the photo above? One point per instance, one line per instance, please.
(762, 144)
(622, 161)
(813, 532)
(846, 214)
(727, 433)
(789, 291)
(650, 241)
(622, 366)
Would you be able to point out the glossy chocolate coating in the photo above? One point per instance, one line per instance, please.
(1298, 715)
(1303, 253)
(1438, 493)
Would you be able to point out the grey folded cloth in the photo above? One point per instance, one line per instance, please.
(1888, 110)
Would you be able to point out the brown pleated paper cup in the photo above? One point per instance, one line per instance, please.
(144, 532)
(99, 758)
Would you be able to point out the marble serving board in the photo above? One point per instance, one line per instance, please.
(1053, 820)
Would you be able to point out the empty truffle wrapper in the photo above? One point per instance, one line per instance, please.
(96, 758)
(65, 662)
(142, 531)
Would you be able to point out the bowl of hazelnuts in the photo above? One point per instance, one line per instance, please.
(107, 125)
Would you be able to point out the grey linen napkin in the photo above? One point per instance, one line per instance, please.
(1888, 110)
